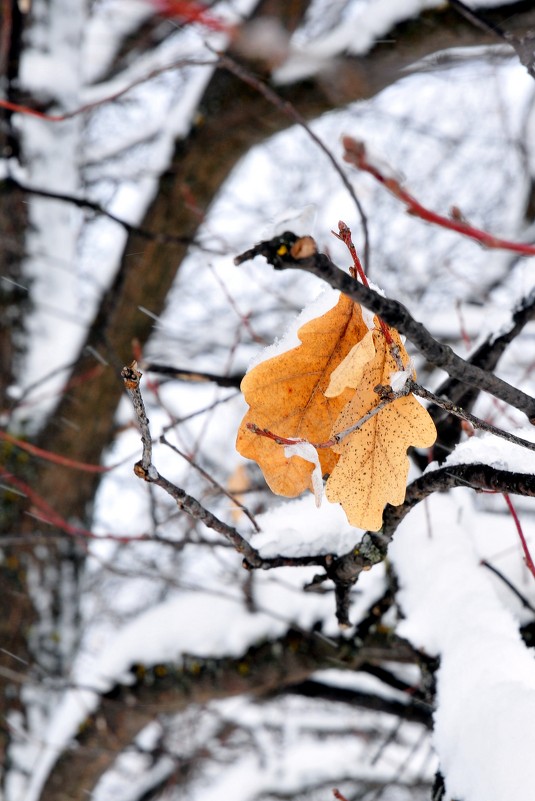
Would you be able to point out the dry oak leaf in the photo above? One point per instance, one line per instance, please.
(349, 372)
(373, 465)
(286, 395)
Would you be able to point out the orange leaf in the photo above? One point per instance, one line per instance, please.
(286, 396)
(373, 465)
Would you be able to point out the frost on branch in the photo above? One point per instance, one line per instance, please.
(327, 392)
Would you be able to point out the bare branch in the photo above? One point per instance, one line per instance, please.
(477, 422)
(193, 376)
(145, 469)
(212, 481)
(166, 689)
(487, 355)
(290, 111)
(84, 203)
(524, 46)
(414, 710)
(343, 571)
(480, 477)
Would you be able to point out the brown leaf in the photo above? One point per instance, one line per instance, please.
(373, 465)
(286, 396)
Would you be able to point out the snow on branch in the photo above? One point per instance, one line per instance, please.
(485, 680)
(96, 719)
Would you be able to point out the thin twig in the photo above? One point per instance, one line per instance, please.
(68, 115)
(289, 109)
(212, 481)
(336, 438)
(45, 513)
(85, 203)
(487, 355)
(57, 458)
(146, 470)
(194, 376)
(385, 401)
(478, 19)
(523, 46)
(477, 422)
(522, 598)
(344, 235)
(527, 555)
(131, 377)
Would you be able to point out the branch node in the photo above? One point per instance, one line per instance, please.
(141, 472)
(131, 376)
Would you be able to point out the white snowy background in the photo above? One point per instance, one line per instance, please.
(460, 134)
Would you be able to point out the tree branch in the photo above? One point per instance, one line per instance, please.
(193, 376)
(167, 689)
(146, 470)
(293, 114)
(85, 203)
(373, 546)
(414, 711)
(355, 154)
(277, 252)
(486, 356)
(343, 571)
(524, 46)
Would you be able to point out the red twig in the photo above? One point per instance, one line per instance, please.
(463, 332)
(21, 402)
(32, 112)
(49, 515)
(53, 457)
(191, 12)
(345, 236)
(340, 435)
(355, 154)
(338, 795)
(88, 375)
(527, 556)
